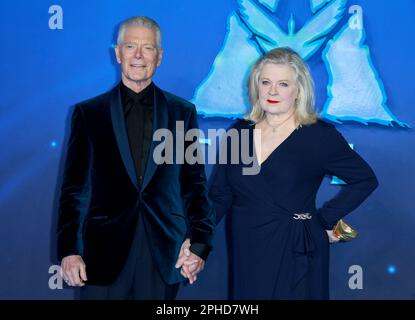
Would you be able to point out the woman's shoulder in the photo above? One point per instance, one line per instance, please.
(320, 124)
(319, 127)
(320, 132)
(242, 124)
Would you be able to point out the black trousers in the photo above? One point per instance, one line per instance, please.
(139, 279)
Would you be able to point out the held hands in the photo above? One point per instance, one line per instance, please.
(190, 263)
(332, 237)
(73, 271)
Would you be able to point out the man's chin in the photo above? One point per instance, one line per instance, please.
(136, 78)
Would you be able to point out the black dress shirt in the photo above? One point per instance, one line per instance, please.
(138, 113)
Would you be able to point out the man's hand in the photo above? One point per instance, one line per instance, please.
(73, 270)
(192, 267)
(190, 263)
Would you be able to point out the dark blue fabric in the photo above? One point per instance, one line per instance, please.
(101, 197)
(139, 278)
(273, 255)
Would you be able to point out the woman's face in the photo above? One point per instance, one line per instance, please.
(277, 89)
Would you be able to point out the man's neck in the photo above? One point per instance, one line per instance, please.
(136, 86)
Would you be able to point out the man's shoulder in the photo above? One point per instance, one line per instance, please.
(97, 101)
(176, 101)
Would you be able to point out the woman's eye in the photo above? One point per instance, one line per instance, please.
(284, 84)
(265, 82)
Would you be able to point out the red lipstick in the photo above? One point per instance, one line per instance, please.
(272, 101)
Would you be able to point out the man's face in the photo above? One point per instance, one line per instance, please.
(138, 55)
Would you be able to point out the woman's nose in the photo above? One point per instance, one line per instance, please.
(273, 90)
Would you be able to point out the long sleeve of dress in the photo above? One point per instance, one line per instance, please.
(341, 161)
(220, 190)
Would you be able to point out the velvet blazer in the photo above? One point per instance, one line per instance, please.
(101, 196)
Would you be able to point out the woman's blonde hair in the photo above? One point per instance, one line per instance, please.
(305, 113)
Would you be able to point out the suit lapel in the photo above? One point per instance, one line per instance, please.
(160, 121)
(120, 132)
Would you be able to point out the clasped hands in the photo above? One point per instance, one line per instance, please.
(190, 263)
(73, 269)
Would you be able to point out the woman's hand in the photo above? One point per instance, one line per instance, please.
(332, 237)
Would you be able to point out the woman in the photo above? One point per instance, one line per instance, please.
(280, 241)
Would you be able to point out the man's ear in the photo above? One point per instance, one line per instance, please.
(118, 53)
(160, 56)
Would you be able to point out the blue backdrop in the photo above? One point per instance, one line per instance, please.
(58, 53)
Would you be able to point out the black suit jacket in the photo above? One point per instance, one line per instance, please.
(101, 197)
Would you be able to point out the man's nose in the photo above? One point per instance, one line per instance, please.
(139, 52)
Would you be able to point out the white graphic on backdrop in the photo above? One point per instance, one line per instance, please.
(355, 91)
(253, 30)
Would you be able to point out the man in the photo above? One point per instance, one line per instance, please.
(131, 242)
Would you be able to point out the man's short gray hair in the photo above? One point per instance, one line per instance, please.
(139, 21)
